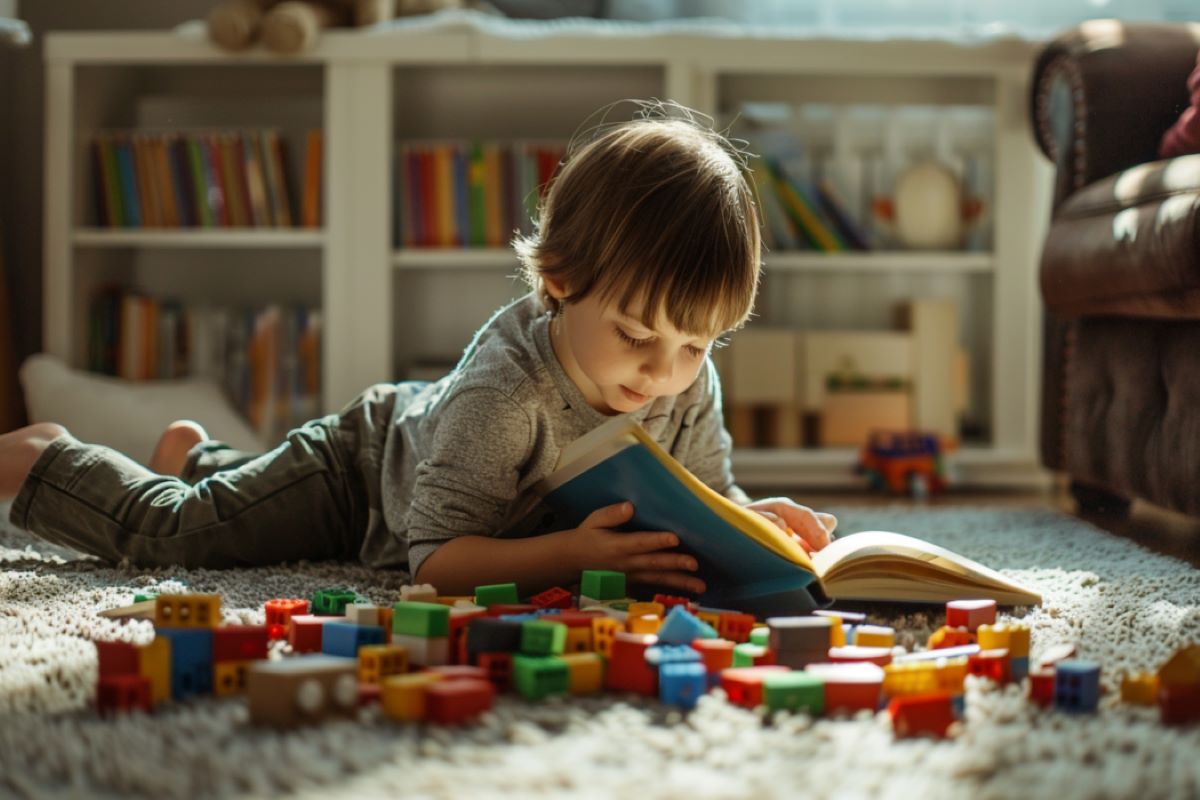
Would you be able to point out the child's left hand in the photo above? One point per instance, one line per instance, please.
(812, 529)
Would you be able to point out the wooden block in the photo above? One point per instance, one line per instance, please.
(849, 417)
(762, 367)
(187, 610)
(154, 661)
(876, 354)
(302, 689)
(935, 351)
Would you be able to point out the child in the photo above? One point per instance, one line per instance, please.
(646, 251)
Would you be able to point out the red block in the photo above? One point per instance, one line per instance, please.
(499, 669)
(500, 609)
(457, 701)
(239, 642)
(744, 685)
(947, 636)
(628, 670)
(921, 715)
(556, 597)
(1041, 686)
(304, 632)
(1179, 704)
(458, 672)
(117, 658)
(992, 664)
(669, 601)
(715, 654)
(459, 620)
(278, 612)
(369, 693)
(881, 656)
(735, 626)
(576, 619)
(970, 614)
(125, 692)
(849, 687)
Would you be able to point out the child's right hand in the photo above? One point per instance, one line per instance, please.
(636, 553)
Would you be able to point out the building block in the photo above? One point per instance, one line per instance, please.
(453, 702)
(369, 693)
(187, 611)
(628, 670)
(875, 636)
(379, 661)
(604, 631)
(304, 689)
(908, 680)
(278, 612)
(805, 634)
(1179, 703)
(239, 642)
(305, 632)
(948, 636)
(1182, 668)
(670, 601)
(849, 688)
(229, 677)
(499, 668)
(543, 638)
(1076, 686)
(643, 623)
(1140, 688)
(1018, 668)
(743, 686)
(154, 662)
(419, 593)
(420, 619)
(922, 715)
(459, 672)
(991, 664)
(121, 692)
(760, 635)
(556, 597)
(503, 593)
(880, 656)
(332, 602)
(659, 654)
(970, 614)
(794, 691)
(511, 609)
(585, 673)
(460, 623)
(537, 677)
(116, 658)
(492, 635)
(735, 626)
(753, 655)
(640, 608)
(716, 655)
(681, 626)
(940, 654)
(403, 696)
(191, 660)
(362, 613)
(680, 683)
(1041, 686)
(339, 638)
(601, 584)
(424, 651)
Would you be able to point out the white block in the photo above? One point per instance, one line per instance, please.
(423, 652)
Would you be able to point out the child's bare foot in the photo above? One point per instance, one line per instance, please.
(19, 450)
(170, 454)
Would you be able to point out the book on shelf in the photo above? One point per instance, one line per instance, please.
(746, 561)
(456, 193)
(198, 179)
(314, 146)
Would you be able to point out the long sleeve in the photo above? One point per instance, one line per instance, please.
(705, 447)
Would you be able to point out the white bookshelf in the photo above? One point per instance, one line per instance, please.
(385, 308)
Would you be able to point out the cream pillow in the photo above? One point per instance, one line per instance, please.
(127, 415)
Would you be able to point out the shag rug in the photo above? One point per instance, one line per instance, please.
(1123, 606)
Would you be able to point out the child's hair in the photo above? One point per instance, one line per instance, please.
(659, 209)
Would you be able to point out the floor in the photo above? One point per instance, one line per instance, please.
(1152, 527)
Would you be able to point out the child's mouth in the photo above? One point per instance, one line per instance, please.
(636, 397)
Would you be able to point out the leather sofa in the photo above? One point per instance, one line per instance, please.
(1120, 269)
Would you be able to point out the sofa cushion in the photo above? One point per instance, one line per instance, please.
(1127, 245)
(1184, 136)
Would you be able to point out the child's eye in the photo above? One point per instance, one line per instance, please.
(696, 352)
(632, 342)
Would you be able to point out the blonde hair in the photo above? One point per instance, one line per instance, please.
(656, 209)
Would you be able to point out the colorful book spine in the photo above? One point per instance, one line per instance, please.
(803, 212)
(130, 203)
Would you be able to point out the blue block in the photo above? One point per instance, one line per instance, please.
(1019, 667)
(659, 654)
(681, 626)
(191, 660)
(959, 703)
(1076, 686)
(682, 683)
(344, 638)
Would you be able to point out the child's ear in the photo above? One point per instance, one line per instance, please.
(555, 287)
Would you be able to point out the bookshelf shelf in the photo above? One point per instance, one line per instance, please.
(460, 258)
(248, 238)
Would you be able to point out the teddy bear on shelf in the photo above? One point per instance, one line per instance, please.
(289, 27)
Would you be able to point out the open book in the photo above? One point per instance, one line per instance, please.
(747, 562)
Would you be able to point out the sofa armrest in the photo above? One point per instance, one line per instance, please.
(1104, 93)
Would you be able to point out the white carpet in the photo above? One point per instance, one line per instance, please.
(1124, 606)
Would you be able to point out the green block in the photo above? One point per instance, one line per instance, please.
(602, 584)
(497, 593)
(541, 638)
(745, 653)
(427, 620)
(760, 636)
(794, 691)
(536, 677)
(143, 596)
(618, 605)
(332, 602)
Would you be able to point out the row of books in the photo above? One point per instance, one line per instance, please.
(203, 179)
(268, 359)
(469, 194)
(801, 214)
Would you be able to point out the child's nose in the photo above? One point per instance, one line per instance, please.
(658, 367)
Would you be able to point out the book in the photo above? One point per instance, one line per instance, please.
(746, 562)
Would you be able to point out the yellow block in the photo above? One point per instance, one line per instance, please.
(187, 611)
(640, 609)
(229, 677)
(874, 636)
(604, 629)
(1140, 688)
(710, 618)
(403, 696)
(643, 623)
(154, 662)
(586, 672)
(579, 639)
(993, 637)
(903, 680)
(385, 620)
(950, 674)
(378, 661)
(1018, 640)
(837, 634)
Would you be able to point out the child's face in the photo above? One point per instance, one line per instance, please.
(617, 362)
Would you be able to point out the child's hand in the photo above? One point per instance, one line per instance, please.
(636, 553)
(812, 529)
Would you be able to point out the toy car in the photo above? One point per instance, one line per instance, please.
(905, 462)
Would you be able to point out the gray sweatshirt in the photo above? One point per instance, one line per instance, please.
(463, 454)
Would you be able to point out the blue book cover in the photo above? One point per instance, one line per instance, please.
(129, 192)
